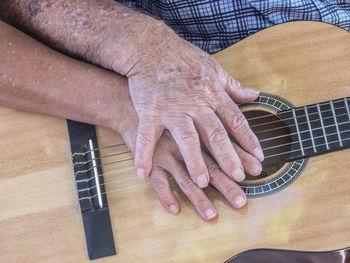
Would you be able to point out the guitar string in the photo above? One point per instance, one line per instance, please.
(305, 122)
(100, 158)
(292, 118)
(294, 133)
(129, 178)
(98, 148)
(120, 180)
(259, 131)
(103, 165)
(267, 139)
(269, 156)
(298, 108)
(273, 129)
(133, 177)
(116, 145)
(109, 174)
(124, 188)
(110, 191)
(274, 155)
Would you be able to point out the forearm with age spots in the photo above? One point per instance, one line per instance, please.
(101, 31)
(38, 79)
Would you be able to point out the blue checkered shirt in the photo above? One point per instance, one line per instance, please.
(215, 25)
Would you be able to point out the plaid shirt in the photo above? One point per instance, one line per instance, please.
(214, 25)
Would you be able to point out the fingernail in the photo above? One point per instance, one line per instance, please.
(238, 175)
(141, 174)
(173, 209)
(256, 169)
(239, 201)
(210, 214)
(254, 91)
(202, 181)
(258, 153)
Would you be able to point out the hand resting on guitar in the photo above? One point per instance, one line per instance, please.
(173, 84)
(38, 79)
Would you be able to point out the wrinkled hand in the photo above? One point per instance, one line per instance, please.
(178, 87)
(168, 159)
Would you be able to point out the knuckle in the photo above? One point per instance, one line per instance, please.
(144, 109)
(229, 189)
(189, 138)
(239, 123)
(199, 202)
(144, 138)
(226, 160)
(214, 171)
(186, 183)
(216, 93)
(160, 185)
(252, 139)
(218, 135)
(173, 120)
(235, 84)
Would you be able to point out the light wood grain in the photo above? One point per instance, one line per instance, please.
(304, 62)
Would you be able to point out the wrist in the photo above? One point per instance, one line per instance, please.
(124, 55)
(127, 125)
(129, 135)
(121, 116)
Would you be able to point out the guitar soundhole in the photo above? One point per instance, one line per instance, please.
(273, 134)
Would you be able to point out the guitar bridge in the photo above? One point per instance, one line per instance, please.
(90, 189)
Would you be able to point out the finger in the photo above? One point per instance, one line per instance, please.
(187, 139)
(237, 91)
(216, 139)
(147, 137)
(250, 164)
(196, 195)
(238, 126)
(159, 179)
(229, 189)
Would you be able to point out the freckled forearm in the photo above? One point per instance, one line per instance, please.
(97, 31)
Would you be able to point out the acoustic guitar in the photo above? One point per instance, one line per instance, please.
(301, 200)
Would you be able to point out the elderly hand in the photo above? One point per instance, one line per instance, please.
(176, 86)
(168, 160)
(107, 102)
(173, 84)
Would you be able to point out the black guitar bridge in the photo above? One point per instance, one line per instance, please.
(90, 188)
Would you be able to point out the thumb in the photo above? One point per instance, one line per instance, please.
(237, 91)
